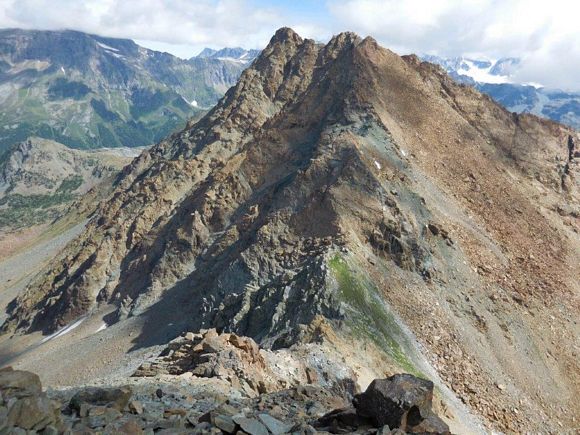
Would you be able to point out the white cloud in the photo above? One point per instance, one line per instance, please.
(545, 34)
(180, 22)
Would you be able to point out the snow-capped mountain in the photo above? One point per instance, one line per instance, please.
(469, 70)
(496, 78)
(236, 54)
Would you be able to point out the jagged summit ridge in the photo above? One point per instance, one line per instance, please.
(285, 34)
(296, 91)
(339, 180)
(276, 79)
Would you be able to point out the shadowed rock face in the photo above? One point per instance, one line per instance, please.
(322, 160)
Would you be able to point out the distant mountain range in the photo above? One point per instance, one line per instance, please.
(494, 79)
(87, 91)
(236, 54)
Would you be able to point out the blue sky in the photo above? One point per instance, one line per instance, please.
(545, 34)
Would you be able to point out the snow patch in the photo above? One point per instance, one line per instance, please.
(378, 165)
(102, 327)
(193, 103)
(62, 69)
(107, 47)
(235, 60)
(479, 74)
(63, 331)
(534, 85)
(403, 152)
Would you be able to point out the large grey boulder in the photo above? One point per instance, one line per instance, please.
(402, 401)
(18, 383)
(116, 398)
(23, 405)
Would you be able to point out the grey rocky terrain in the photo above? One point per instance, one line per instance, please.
(211, 402)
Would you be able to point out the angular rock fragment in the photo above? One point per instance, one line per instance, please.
(401, 401)
(251, 425)
(116, 398)
(275, 426)
(23, 404)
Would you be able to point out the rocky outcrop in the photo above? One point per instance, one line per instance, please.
(209, 354)
(24, 406)
(298, 410)
(240, 362)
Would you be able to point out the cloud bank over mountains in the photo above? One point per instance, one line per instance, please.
(545, 35)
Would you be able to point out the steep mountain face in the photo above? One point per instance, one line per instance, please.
(87, 91)
(39, 179)
(344, 181)
(493, 79)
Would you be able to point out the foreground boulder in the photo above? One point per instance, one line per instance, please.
(114, 398)
(23, 404)
(402, 401)
(209, 354)
(399, 404)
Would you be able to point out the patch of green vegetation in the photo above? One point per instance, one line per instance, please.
(371, 319)
(5, 157)
(145, 101)
(107, 115)
(20, 210)
(61, 88)
(22, 217)
(106, 138)
(70, 184)
(36, 201)
(101, 109)
(47, 132)
(170, 126)
(118, 103)
(182, 105)
(133, 134)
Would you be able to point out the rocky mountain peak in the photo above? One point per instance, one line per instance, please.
(277, 122)
(342, 41)
(286, 35)
(339, 181)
